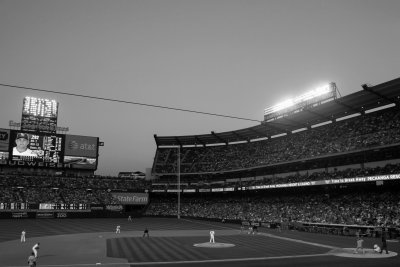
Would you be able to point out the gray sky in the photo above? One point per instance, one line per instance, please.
(219, 56)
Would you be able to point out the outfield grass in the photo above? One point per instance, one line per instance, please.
(87, 242)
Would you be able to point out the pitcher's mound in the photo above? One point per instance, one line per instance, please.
(214, 245)
(369, 253)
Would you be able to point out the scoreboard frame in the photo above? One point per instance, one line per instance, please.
(53, 151)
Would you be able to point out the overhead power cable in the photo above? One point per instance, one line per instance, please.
(127, 102)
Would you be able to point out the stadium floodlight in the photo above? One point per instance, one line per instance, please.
(283, 105)
(313, 94)
(321, 93)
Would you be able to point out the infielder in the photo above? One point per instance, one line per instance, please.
(35, 249)
(212, 233)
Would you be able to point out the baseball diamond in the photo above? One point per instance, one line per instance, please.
(90, 242)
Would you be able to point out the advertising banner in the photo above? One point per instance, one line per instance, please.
(80, 146)
(96, 207)
(19, 215)
(204, 190)
(44, 215)
(131, 198)
(80, 162)
(113, 207)
(189, 190)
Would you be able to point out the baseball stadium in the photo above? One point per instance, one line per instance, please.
(315, 184)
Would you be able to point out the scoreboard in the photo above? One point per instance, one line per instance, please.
(63, 206)
(44, 147)
(39, 115)
(49, 150)
(43, 206)
(14, 206)
(38, 145)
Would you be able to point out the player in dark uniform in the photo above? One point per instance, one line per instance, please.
(384, 243)
(255, 229)
(32, 260)
(146, 232)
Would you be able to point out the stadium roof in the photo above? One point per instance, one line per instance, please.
(371, 97)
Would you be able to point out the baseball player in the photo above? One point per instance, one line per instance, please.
(360, 242)
(384, 243)
(377, 249)
(32, 260)
(146, 232)
(23, 236)
(212, 234)
(35, 249)
(118, 229)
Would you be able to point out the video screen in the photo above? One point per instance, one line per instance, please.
(3, 156)
(25, 146)
(81, 162)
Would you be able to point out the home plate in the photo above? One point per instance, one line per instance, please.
(214, 245)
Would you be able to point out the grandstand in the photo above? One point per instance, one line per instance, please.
(323, 156)
(357, 129)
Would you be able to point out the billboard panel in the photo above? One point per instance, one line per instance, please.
(81, 162)
(131, 198)
(81, 146)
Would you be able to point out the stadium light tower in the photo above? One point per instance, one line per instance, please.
(310, 99)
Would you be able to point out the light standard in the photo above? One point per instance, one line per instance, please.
(179, 181)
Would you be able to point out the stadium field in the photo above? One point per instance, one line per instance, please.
(177, 242)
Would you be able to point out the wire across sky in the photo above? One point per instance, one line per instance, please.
(126, 102)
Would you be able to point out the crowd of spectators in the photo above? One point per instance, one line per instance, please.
(368, 131)
(357, 208)
(59, 189)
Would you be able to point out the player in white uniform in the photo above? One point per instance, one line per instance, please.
(35, 249)
(118, 229)
(23, 236)
(377, 249)
(212, 234)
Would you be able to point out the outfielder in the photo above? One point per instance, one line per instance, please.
(23, 236)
